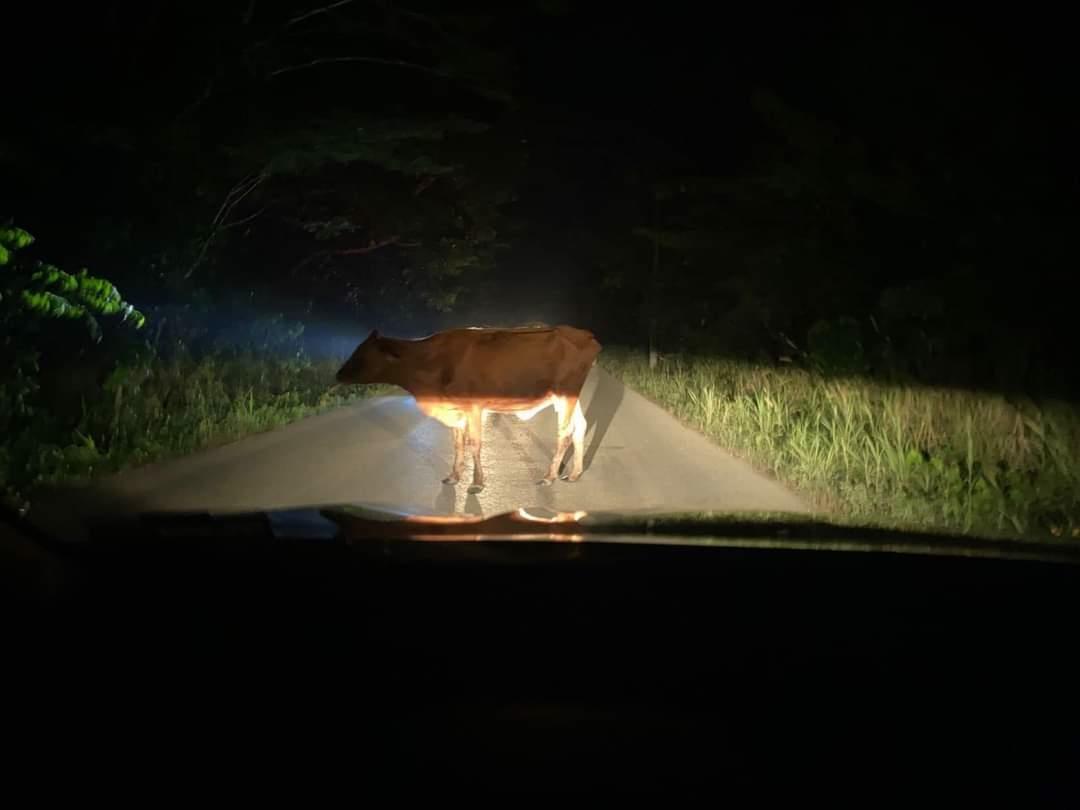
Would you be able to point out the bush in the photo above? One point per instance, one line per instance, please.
(874, 453)
(155, 409)
(835, 347)
(74, 405)
(31, 292)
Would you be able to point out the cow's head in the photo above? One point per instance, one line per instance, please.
(372, 362)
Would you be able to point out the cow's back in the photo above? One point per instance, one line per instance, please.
(512, 364)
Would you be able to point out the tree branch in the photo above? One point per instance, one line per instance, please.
(373, 246)
(236, 194)
(315, 11)
(427, 19)
(198, 102)
(423, 185)
(232, 199)
(243, 221)
(371, 60)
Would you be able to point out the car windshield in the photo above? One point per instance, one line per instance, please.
(502, 257)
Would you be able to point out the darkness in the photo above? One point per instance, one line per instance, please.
(913, 172)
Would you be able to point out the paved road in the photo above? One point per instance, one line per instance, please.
(383, 452)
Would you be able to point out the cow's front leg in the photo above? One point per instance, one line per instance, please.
(476, 437)
(459, 456)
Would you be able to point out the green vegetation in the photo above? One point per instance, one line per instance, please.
(878, 249)
(38, 290)
(159, 408)
(879, 454)
(393, 165)
(79, 405)
(282, 197)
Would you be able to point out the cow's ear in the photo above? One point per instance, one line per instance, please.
(374, 335)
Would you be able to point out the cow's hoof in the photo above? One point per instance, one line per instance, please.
(545, 482)
(450, 479)
(571, 478)
(474, 488)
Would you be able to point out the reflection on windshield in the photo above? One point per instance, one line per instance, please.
(520, 523)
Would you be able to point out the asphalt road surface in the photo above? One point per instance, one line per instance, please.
(384, 453)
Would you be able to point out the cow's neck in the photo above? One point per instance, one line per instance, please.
(412, 371)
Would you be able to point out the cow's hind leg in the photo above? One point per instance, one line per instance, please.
(476, 437)
(564, 410)
(579, 425)
(459, 456)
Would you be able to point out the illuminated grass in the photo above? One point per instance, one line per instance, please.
(159, 410)
(871, 453)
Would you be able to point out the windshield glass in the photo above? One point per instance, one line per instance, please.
(517, 256)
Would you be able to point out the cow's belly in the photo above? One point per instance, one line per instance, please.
(524, 410)
(454, 414)
(450, 414)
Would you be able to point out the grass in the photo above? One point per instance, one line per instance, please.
(158, 409)
(861, 451)
(876, 454)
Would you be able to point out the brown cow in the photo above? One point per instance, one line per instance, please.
(459, 375)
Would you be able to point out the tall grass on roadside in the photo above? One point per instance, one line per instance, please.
(872, 453)
(158, 409)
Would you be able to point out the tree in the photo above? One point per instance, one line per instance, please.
(243, 115)
(35, 299)
(386, 215)
(35, 291)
